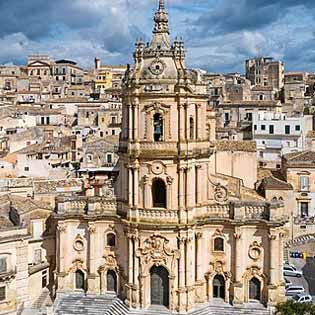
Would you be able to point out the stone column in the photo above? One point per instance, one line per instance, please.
(273, 252)
(130, 265)
(238, 285)
(190, 269)
(198, 122)
(135, 121)
(238, 256)
(136, 187)
(91, 279)
(198, 183)
(136, 271)
(181, 188)
(182, 274)
(61, 252)
(146, 191)
(198, 256)
(130, 123)
(130, 191)
(169, 181)
(181, 122)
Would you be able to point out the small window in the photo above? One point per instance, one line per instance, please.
(263, 127)
(271, 129)
(304, 183)
(297, 128)
(3, 264)
(218, 244)
(2, 293)
(113, 132)
(111, 239)
(37, 256)
(109, 158)
(287, 129)
(44, 279)
(26, 168)
(304, 209)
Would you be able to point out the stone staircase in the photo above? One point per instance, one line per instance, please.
(80, 304)
(43, 300)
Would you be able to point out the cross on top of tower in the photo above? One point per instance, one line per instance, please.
(161, 5)
(161, 19)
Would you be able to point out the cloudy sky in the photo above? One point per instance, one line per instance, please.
(219, 34)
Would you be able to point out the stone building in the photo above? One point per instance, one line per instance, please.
(264, 71)
(170, 232)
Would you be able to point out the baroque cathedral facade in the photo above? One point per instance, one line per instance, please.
(170, 230)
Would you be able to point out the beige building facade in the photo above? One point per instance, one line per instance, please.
(170, 231)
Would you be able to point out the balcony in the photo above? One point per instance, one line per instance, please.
(8, 275)
(81, 205)
(298, 220)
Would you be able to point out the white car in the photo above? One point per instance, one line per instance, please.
(294, 290)
(303, 298)
(291, 271)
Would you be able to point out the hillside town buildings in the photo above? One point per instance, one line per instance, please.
(152, 188)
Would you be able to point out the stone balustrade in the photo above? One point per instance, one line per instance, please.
(81, 205)
(304, 220)
(218, 211)
(159, 215)
(240, 211)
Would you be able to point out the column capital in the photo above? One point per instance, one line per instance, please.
(169, 180)
(272, 237)
(199, 235)
(182, 239)
(237, 235)
(62, 227)
(92, 228)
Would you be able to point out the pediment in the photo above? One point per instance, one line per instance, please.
(38, 64)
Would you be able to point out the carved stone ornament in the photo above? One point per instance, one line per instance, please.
(157, 168)
(78, 243)
(77, 264)
(110, 263)
(156, 250)
(220, 193)
(255, 251)
(157, 67)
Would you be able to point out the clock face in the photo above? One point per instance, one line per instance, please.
(157, 67)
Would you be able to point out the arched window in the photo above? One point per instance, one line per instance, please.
(280, 199)
(218, 244)
(158, 193)
(191, 128)
(158, 127)
(274, 199)
(111, 239)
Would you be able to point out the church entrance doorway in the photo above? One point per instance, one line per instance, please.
(79, 280)
(254, 289)
(219, 287)
(111, 281)
(159, 286)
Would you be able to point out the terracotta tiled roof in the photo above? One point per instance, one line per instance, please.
(247, 146)
(272, 182)
(304, 156)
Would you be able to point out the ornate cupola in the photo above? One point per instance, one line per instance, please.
(160, 39)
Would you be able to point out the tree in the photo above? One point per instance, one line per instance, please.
(292, 308)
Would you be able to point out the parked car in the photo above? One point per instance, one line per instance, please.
(291, 271)
(303, 298)
(293, 290)
(287, 282)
